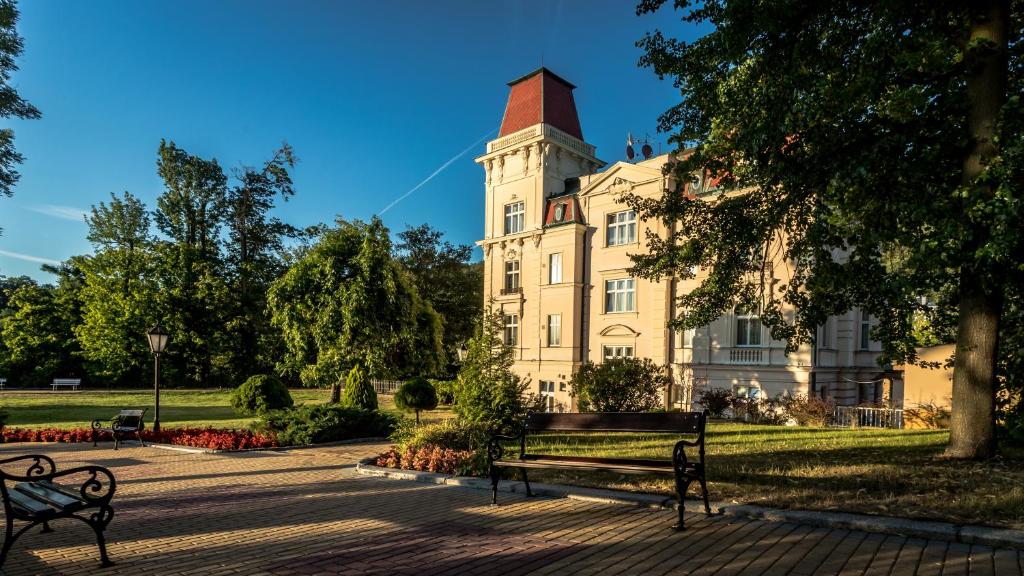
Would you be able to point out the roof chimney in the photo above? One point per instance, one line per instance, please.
(541, 96)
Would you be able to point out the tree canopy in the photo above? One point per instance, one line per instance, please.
(879, 148)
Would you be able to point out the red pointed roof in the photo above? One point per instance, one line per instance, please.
(541, 96)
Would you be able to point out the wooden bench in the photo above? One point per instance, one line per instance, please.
(36, 498)
(679, 466)
(3, 383)
(126, 423)
(74, 383)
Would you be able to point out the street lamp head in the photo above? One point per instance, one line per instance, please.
(157, 339)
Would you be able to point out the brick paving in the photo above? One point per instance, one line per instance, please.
(307, 513)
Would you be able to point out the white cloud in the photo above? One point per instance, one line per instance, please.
(62, 212)
(29, 257)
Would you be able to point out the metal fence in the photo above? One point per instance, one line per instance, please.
(858, 416)
(386, 386)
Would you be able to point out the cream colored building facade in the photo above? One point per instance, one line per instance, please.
(556, 245)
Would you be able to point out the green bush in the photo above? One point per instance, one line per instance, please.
(454, 434)
(445, 391)
(415, 395)
(489, 393)
(715, 400)
(619, 385)
(320, 423)
(809, 410)
(359, 392)
(259, 394)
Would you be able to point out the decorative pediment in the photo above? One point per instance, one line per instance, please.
(619, 330)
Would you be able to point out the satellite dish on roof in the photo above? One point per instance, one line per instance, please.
(647, 151)
(629, 146)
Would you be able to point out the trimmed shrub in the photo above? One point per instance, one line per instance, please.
(809, 411)
(715, 401)
(326, 423)
(770, 411)
(455, 434)
(415, 395)
(259, 394)
(358, 392)
(618, 385)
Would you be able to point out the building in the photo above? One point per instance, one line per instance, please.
(556, 248)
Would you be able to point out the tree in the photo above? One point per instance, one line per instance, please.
(37, 337)
(880, 159)
(195, 296)
(444, 277)
(119, 293)
(345, 301)
(487, 391)
(415, 395)
(12, 105)
(619, 385)
(254, 259)
(359, 392)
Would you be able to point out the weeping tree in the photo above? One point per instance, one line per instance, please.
(878, 148)
(346, 302)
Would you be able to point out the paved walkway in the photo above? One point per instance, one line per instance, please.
(306, 512)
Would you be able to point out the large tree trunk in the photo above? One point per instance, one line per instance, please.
(335, 393)
(972, 428)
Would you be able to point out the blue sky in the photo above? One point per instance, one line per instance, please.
(374, 97)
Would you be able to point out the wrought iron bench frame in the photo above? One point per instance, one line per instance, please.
(95, 494)
(679, 466)
(126, 423)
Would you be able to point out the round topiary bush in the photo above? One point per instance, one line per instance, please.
(259, 394)
(415, 395)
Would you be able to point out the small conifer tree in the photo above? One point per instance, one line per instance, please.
(359, 393)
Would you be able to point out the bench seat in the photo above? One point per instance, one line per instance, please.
(622, 465)
(126, 423)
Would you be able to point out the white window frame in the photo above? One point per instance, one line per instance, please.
(864, 335)
(546, 390)
(515, 217)
(511, 329)
(617, 351)
(554, 330)
(512, 278)
(619, 295)
(752, 391)
(555, 268)
(620, 228)
(745, 329)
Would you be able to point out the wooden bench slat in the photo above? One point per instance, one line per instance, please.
(26, 504)
(666, 422)
(49, 494)
(571, 465)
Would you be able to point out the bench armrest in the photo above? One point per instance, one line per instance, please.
(41, 465)
(110, 423)
(97, 488)
(494, 448)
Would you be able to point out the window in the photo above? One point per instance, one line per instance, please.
(865, 330)
(554, 330)
(825, 334)
(618, 352)
(748, 328)
(555, 268)
(752, 391)
(547, 394)
(621, 228)
(561, 386)
(511, 329)
(619, 295)
(511, 276)
(515, 217)
(688, 334)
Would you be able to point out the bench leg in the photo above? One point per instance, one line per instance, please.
(8, 541)
(495, 476)
(681, 487)
(102, 544)
(527, 482)
(46, 528)
(704, 492)
(141, 441)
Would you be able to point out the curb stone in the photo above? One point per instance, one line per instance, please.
(197, 450)
(967, 534)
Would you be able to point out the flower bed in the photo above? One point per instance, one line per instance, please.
(429, 458)
(209, 438)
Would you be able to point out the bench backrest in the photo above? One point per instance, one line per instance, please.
(667, 422)
(130, 418)
(67, 381)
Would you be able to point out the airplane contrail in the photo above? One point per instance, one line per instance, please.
(436, 172)
(29, 258)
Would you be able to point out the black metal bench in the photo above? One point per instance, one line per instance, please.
(126, 423)
(36, 498)
(679, 466)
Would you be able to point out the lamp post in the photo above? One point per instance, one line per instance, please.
(157, 342)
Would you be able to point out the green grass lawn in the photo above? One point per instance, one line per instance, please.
(888, 472)
(177, 407)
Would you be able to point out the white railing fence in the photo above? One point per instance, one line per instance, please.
(383, 386)
(858, 416)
